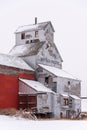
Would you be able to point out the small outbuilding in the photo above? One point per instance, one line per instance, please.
(35, 96)
(11, 68)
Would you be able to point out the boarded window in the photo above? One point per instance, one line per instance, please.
(23, 36)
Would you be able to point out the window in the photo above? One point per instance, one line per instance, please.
(70, 103)
(36, 33)
(23, 36)
(47, 79)
(54, 88)
(68, 82)
(27, 42)
(47, 46)
(47, 31)
(34, 41)
(28, 36)
(39, 69)
(66, 101)
(31, 41)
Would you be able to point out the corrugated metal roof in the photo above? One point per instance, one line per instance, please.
(26, 49)
(36, 85)
(57, 72)
(14, 61)
(37, 26)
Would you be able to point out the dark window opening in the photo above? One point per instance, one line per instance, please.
(30, 41)
(47, 46)
(68, 82)
(47, 79)
(23, 36)
(54, 88)
(34, 41)
(70, 103)
(66, 101)
(27, 42)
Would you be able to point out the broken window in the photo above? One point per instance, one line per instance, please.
(23, 36)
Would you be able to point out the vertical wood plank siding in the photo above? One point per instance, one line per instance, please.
(8, 91)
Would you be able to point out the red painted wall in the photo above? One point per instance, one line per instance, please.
(26, 76)
(8, 91)
(9, 88)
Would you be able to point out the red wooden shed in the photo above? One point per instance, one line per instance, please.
(11, 69)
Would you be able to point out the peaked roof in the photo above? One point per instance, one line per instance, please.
(36, 85)
(26, 49)
(37, 26)
(57, 72)
(70, 95)
(13, 61)
(58, 52)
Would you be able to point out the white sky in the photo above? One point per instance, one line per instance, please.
(69, 18)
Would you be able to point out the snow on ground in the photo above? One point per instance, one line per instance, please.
(13, 123)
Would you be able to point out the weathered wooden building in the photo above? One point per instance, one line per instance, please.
(35, 45)
(35, 96)
(11, 69)
(62, 83)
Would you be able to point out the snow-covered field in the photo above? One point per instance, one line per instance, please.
(12, 123)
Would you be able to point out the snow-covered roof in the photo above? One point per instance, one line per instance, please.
(36, 85)
(14, 61)
(26, 49)
(74, 97)
(70, 95)
(57, 72)
(65, 95)
(37, 26)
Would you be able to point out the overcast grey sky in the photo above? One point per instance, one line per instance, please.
(69, 18)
